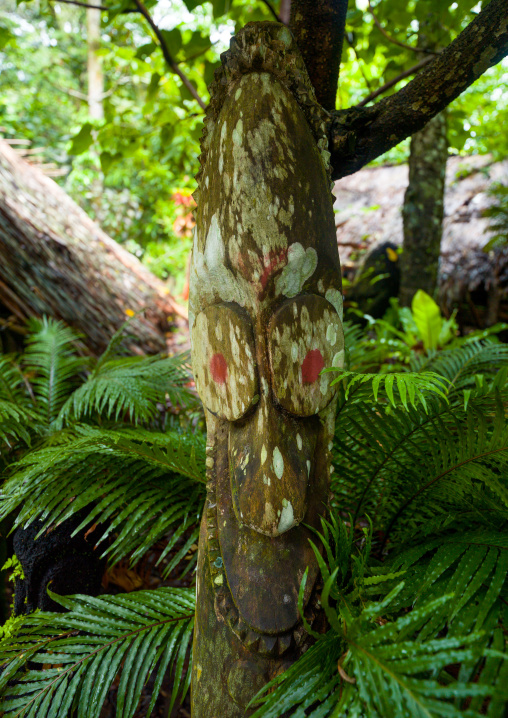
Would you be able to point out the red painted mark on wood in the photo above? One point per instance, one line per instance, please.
(272, 261)
(312, 366)
(219, 368)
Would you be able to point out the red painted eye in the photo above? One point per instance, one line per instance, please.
(219, 368)
(312, 366)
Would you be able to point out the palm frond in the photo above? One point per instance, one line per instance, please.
(460, 364)
(12, 383)
(361, 668)
(422, 466)
(472, 567)
(132, 387)
(134, 635)
(379, 661)
(15, 422)
(406, 386)
(137, 484)
(52, 365)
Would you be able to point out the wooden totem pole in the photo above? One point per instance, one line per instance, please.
(265, 315)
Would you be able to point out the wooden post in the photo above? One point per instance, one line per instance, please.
(265, 317)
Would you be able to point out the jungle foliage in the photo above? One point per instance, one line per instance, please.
(414, 557)
(133, 171)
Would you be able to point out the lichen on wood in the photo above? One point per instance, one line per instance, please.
(265, 317)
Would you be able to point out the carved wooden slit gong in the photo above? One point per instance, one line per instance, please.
(265, 315)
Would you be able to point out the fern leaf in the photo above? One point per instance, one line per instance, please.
(131, 386)
(97, 639)
(127, 479)
(413, 385)
(51, 359)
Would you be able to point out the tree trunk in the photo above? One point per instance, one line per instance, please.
(54, 260)
(285, 11)
(318, 28)
(265, 315)
(423, 210)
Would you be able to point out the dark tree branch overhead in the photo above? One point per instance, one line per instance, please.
(360, 134)
(141, 9)
(318, 27)
(392, 39)
(272, 10)
(384, 88)
(167, 55)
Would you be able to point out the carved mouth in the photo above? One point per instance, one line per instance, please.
(275, 643)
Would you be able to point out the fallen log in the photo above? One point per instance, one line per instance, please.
(55, 260)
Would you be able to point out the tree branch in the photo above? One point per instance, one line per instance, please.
(270, 7)
(167, 55)
(318, 27)
(103, 8)
(141, 9)
(285, 11)
(360, 134)
(84, 4)
(393, 40)
(384, 88)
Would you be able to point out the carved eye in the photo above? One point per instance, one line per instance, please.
(306, 336)
(223, 361)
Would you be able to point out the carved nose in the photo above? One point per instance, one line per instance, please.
(270, 463)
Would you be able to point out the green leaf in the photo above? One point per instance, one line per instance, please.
(427, 318)
(83, 140)
(123, 634)
(173, 40)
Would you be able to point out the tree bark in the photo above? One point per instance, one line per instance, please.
(54, 260)
(265, 314)
(318, 28)
(423, 210)
(423, 207)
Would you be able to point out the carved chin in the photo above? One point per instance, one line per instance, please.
(257, 556)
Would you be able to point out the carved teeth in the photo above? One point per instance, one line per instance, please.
(299, 635)
(284, 642)
(241, 629)
(252, 640)
(267, 645)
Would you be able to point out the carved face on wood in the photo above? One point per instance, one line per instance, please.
(266, 320)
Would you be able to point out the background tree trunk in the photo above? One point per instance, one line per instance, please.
(423, 210)
(285, 11)
(54, 260)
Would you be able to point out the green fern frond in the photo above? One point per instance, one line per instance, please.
(380, 660)
(419, 466)
(404, 385)
(473, 567)
(15, 423)
(12, 383)
(52, 365)
(362, 668)
(131, 386)
(133, 635)
(128, 480)
(460, 364)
